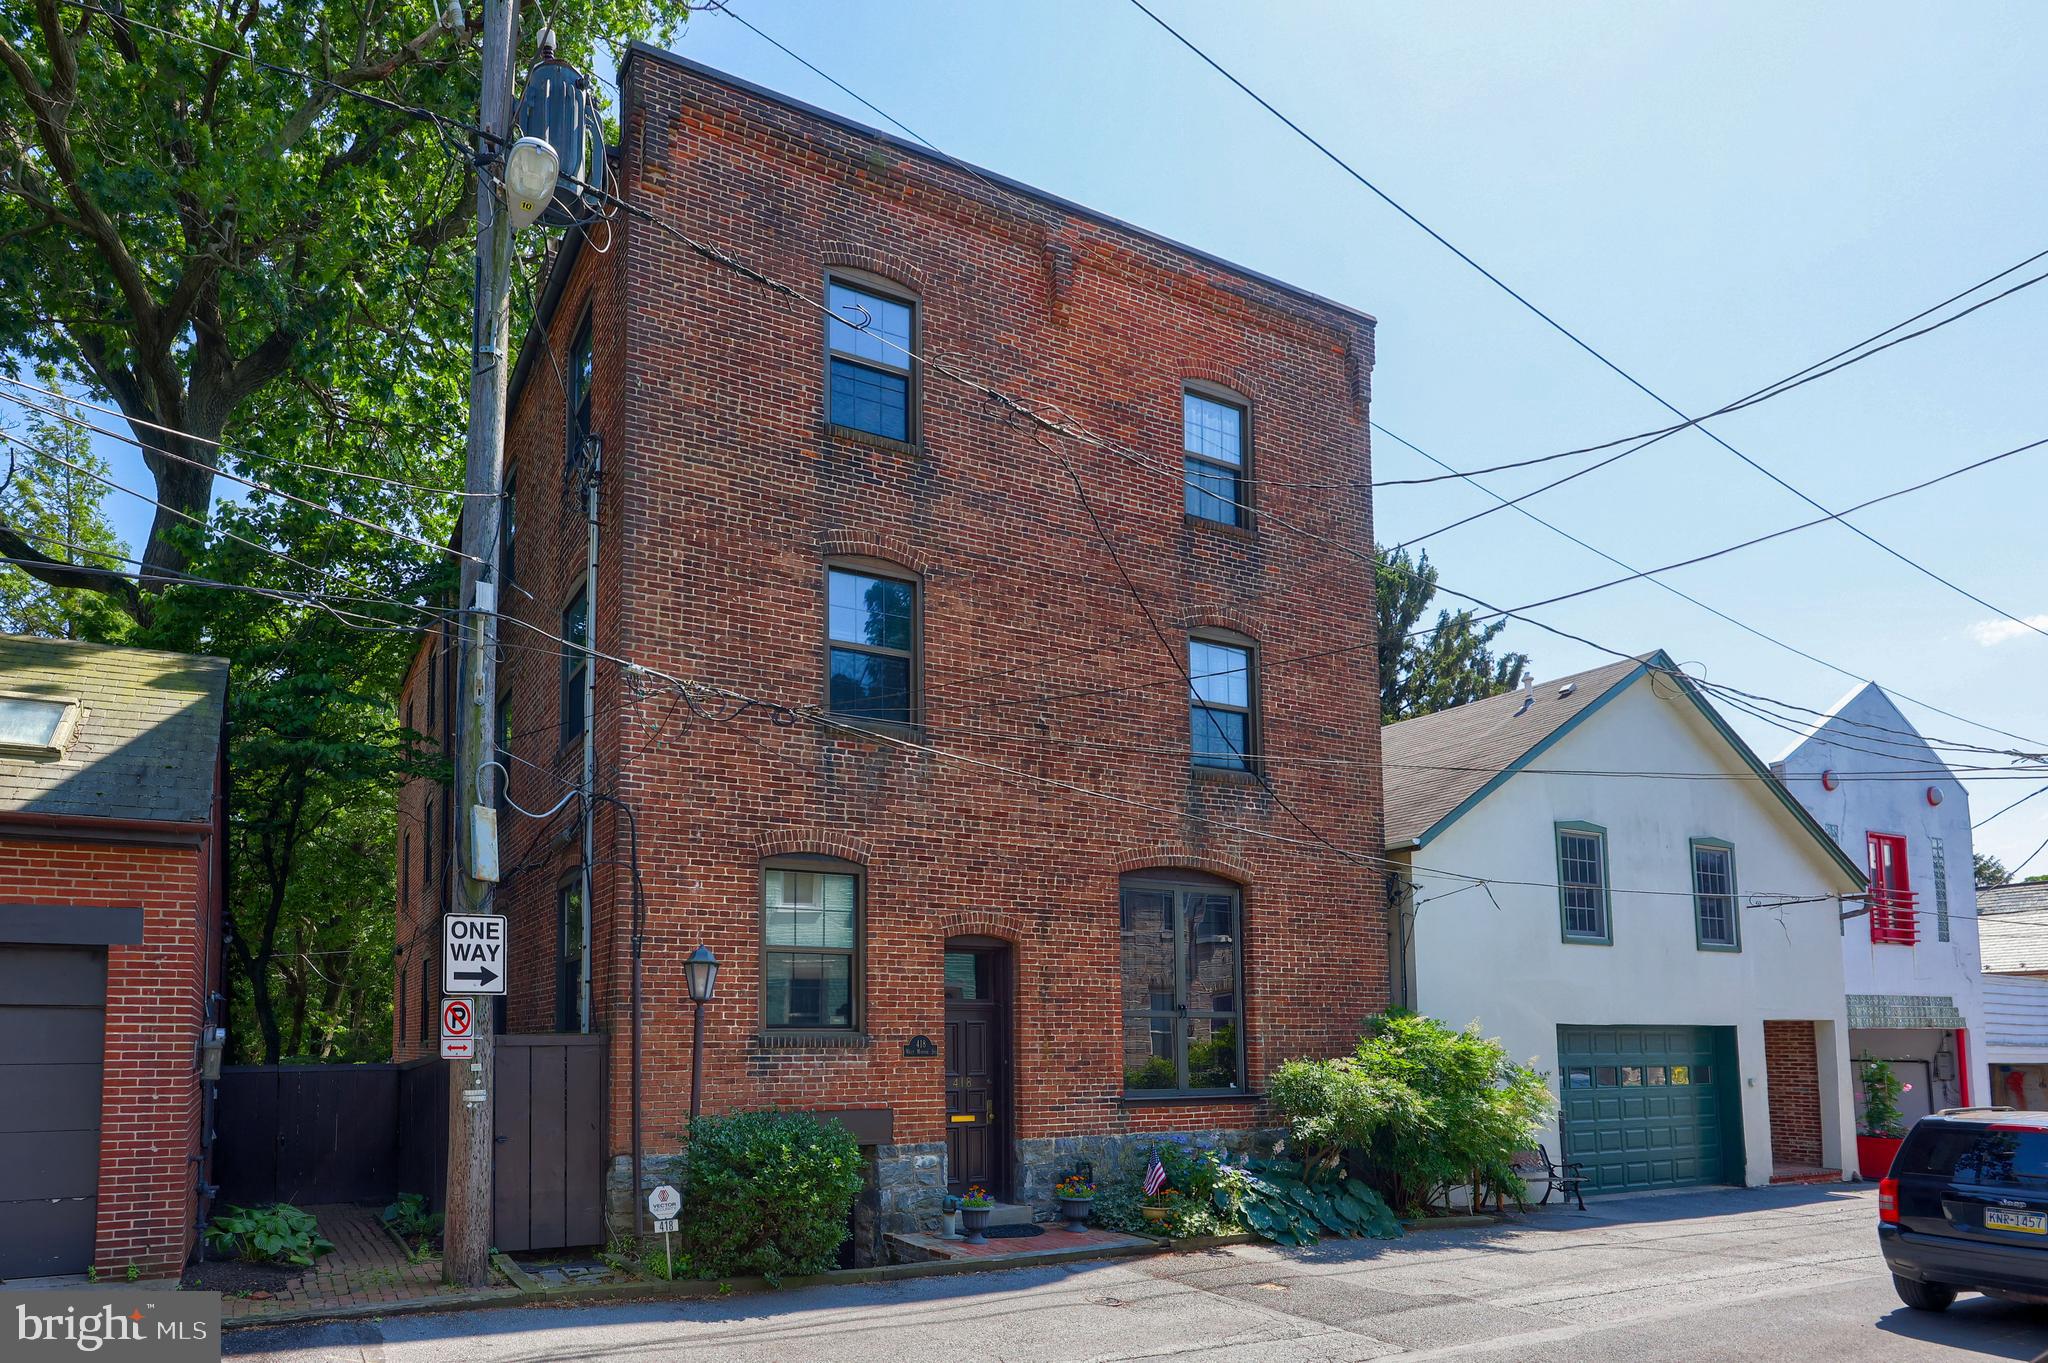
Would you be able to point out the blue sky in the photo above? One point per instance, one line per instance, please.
(1715, 195)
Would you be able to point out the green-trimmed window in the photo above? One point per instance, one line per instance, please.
(810, 946)
(1584, 904)
(1715, 920)
(1183, 984)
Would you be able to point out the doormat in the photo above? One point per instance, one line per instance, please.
(1013, 1232)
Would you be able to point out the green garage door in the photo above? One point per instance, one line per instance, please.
(1650, 1107)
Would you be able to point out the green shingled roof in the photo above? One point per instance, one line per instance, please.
(147, 737)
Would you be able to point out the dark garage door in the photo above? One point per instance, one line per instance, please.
(1649, 1107)
(52, 1025)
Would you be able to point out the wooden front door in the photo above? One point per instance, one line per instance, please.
(977, 1066)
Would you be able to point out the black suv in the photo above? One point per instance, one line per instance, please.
(1965, 1208)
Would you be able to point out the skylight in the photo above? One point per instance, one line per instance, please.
(35, 725)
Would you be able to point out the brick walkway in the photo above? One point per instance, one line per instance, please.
(366, 1268)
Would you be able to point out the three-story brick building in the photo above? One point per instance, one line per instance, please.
(1059, 773)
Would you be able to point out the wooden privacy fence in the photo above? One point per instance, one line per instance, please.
(306, 1133)
(365, 1133)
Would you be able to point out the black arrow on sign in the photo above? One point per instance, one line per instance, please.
(483, 975)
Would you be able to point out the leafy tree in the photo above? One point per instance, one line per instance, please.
(192, 233)
(259, 271)
(1450, 665)
(316, 755)
(1989, 870)
(1424, 1109)
(48, 492)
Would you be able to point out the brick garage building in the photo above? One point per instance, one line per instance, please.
(1011, 900)
(111, 877)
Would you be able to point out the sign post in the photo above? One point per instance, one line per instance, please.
(458, 1029)
(663, 1204)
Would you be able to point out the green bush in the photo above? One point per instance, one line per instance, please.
(1418, 1108)
(410, 1218)
(279, 1233)
(1209, 1193)
(768, 1193)
(1881, 1091)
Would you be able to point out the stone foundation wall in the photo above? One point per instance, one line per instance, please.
(910, 1187)
(1042, 1163)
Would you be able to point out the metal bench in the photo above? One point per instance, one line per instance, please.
(1567, 1180)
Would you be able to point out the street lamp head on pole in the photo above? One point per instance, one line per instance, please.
(702, 968)
(530, 170)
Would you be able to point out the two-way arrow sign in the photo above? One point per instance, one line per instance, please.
(473, 953)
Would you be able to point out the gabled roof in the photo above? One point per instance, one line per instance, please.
(147, 736)
(1866, 730)
(2023, 897)
(2012, 928)
(1435, 767)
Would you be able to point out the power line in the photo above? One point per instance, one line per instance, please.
(969, 169)
(2008, 808)
(722, 258)
(1790, 529)
(1687, 597)
(244, 456)
(1565, 331)
(81, 424)
(1785, 385)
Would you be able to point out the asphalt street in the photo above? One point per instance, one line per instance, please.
(1750, 1275)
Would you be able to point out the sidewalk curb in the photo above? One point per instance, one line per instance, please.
(531, 1292)
(1466, 1222)
(520, 1278)
(371, 1310)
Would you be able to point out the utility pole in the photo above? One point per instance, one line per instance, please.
(471, 1088)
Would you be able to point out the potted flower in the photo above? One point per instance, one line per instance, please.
(1883, 1127)
(1077, 1199)
(975, 1206)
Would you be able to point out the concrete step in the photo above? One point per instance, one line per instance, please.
(1010, 1214)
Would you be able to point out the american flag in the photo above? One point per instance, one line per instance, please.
(1155, 1178)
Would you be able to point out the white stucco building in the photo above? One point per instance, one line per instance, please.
(1911, 963)
(1601, 873)
(2013, 929)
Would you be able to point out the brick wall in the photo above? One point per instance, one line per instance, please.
(1792, 1070)
(150, 1093)
(425, 826)
(725, 494)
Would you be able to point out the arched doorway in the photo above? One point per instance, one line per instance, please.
(978, 1070)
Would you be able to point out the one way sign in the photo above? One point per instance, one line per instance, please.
(473, 953)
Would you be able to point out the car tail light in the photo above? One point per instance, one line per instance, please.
(1888, 1201)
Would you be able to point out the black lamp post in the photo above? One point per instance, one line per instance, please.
(702, 969)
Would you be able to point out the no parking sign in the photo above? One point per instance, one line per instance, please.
(458, 1036)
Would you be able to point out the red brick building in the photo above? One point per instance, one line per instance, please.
(1012, 897)
(111, 897)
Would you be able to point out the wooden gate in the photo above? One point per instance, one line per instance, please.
(548, 1189)
(365, 1133)
(306, 1134)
